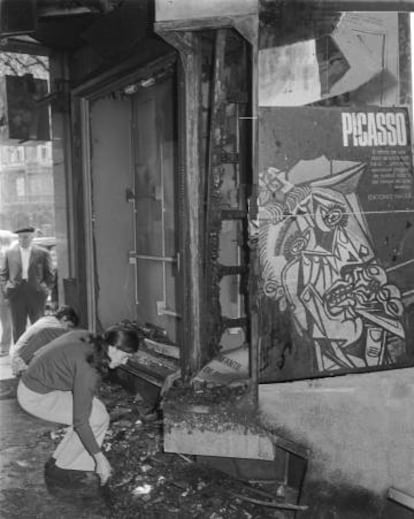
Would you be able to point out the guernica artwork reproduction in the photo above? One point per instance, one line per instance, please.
(335, 241)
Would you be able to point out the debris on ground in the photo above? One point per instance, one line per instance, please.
(150, 483)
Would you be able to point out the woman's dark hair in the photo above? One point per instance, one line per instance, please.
(69, 313)
(123, 339)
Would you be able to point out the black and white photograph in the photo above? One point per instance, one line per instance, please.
(206, 259)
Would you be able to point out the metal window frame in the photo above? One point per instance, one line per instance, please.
(85, 94)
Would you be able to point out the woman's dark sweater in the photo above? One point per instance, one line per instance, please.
(62, 366)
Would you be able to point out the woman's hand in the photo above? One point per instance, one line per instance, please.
(103, 467)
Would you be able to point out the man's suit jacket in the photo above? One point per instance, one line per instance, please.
(40, 273)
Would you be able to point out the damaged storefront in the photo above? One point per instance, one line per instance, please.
(237, 179)
(329, 290)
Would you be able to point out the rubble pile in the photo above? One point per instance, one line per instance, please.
(152, 484)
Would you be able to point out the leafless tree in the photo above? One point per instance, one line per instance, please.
(17, 64)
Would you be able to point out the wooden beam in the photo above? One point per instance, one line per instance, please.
(192, 183)
(16, 44)
(195, 9)
(247, 25)
(198, 24)
(214, 178)
(254, 274)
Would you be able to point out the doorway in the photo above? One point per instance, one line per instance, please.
(134, 206)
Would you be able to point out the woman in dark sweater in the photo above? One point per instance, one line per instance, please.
(60, 386)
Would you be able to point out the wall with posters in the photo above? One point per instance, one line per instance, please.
(335, 207)
(335, 234)
(336, 251)
(335, 231)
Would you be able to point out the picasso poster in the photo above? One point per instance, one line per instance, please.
(335, 241)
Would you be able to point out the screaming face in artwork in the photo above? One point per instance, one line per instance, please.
(318, 263)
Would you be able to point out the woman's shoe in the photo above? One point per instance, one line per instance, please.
(73, 479)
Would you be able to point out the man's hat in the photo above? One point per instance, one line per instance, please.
(24, 229)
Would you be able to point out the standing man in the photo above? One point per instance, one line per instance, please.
(26, 277)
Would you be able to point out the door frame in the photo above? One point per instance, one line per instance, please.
(154, 95)
(185, 36)
(82, 97)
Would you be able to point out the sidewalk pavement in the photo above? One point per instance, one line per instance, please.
(25, 445)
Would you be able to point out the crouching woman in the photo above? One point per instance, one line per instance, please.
(60, 386)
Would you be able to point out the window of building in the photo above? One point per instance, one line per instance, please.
(20, 187)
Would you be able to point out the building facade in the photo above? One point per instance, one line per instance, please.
(26, 187)
(202, 187)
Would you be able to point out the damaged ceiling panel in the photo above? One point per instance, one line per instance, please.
(283, 23)
(337, 53)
